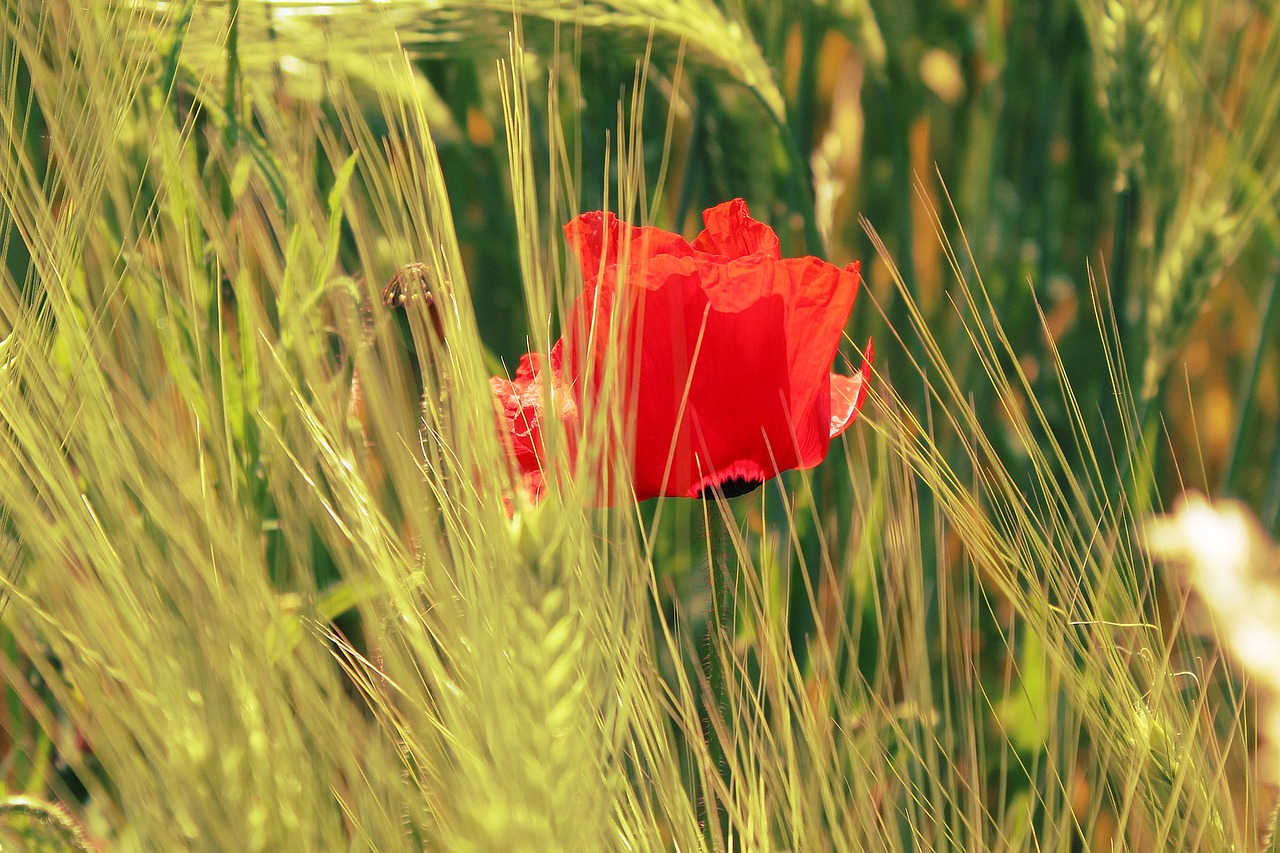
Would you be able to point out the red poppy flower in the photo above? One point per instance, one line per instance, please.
(723, 348)
(523, 411)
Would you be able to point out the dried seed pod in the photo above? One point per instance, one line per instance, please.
(414, 281)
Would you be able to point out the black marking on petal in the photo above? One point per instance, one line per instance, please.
(730, 487)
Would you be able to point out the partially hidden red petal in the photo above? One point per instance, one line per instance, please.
(519, 421)
(530, 364)
(848, 393)
(523, 413)
(710, 389)
(587, 237)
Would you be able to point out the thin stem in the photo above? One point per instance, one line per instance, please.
(1271, 504)
(802, 183)
(691, 163)
(1270, 313)
(1127, 210)
(804, 187)
(804, 107)
(231, 95)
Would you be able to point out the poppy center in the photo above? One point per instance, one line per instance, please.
(740, 478)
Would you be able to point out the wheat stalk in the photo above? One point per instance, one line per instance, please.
(292, 39)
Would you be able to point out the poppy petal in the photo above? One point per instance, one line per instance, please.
(522, 411)
(710, 391)
(848, 393)
(598, 240)
(731, 233)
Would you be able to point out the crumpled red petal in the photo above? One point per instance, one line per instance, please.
(522, 413)
(731, 233)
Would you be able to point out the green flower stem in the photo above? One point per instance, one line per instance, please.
(721, 620)
(717, 650)
(723, 578)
